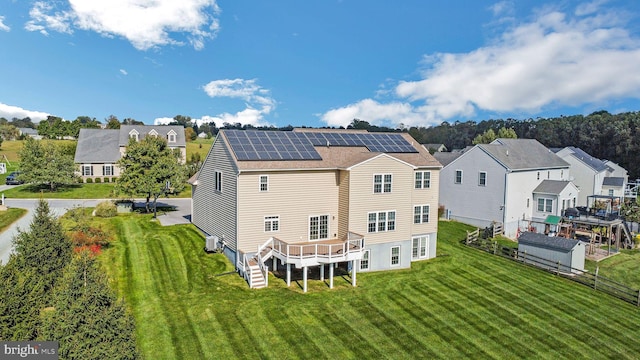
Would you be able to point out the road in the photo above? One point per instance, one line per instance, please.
(59, 207)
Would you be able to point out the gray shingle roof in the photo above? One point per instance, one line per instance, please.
(592, 162)
(445, 158)
(523, 154)
(97, 146)
(613, 181)
(547, 242)
(143, 130)
(554, 187)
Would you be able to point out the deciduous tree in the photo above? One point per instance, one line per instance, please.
(46, 164)
(151, 169)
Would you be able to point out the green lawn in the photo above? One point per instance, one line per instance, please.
(623, 268)
(463, 304)
(10, 216)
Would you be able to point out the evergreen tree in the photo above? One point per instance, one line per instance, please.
(31, 273)
(86, 318)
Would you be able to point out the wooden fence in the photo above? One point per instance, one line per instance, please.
(592, 280)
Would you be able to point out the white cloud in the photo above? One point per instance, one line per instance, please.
(163, 121)
(124, 72)
(3, 26)
(554, 60)
(259, 102)
(9, 112)
(200, 121)
(146, 24)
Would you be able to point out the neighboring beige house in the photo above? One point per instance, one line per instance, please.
(99, 150)
(317, 198)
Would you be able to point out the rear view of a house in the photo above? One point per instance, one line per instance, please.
(316, 198)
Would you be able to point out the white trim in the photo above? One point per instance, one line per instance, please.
(134, 134)
(260, 183)
(422, 213)
(391, 264)
(271, 219)
(319, 227)
(381, 155)
(153, 132)
(382, 184)
(421, 247)
(480, 177)
(422, 179)
(217, 178)
(367, 254)
(455, 177)
(386, 221)
(90, 167)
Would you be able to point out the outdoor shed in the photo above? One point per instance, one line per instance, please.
(547, 251)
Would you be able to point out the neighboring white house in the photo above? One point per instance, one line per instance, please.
(506, 181)
(592, 175)
(32, 133)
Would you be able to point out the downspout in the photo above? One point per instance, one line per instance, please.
(504, 198)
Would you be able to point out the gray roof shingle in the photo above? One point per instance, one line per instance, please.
(613, 181)
(523, 154)
(547, 242)
(592, 162)
(97, 146)
(554, 187)
(143, 130)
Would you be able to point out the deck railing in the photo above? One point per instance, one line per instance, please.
(321, 252)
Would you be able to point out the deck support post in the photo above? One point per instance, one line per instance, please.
(304, 278)
(353, 272)
(288, 275)
(330, 276)
(322, 272)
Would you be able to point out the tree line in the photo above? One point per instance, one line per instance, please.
(613, 137)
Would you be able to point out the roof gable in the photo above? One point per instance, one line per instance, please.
(152, 130)
(522, 154)
(554, 187)
(97, 146)
(594, 163)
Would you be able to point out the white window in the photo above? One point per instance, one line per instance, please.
(87, 170)
(458, 178)
(381, 221)
(271, 223)
(264, 183)
(364, 263)
(171, 136)
(610, 192)
(420, 214)
(482, 178)
(419, 247)
(153, 133)
(545, 205)
(382, 183)
(319, 227)
(423, 180)
(133, 134)
(107, 170)
(218, 180)
(395, 256)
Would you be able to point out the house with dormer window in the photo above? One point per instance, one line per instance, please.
(99, 150)
(317, 198)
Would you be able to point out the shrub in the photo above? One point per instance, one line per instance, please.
(107, 180)
(98, 180)
(90, 236)
(89, 180)
(106, 209)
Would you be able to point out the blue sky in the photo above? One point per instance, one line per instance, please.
(318, 62)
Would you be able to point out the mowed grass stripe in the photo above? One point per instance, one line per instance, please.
(479, 317)
(517, 320)
(542, 286)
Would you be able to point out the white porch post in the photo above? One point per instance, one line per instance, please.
(330, 276)
(288, 275)
(304, 279)
(353, 272)
(322, 272)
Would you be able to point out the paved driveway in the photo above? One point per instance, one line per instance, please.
(181, 215)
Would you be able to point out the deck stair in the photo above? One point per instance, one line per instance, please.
(256, 272)
(628, 241)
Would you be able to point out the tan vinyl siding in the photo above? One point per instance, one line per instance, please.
(363, 200)
(293, 196)
(214, 212)
(426, 197)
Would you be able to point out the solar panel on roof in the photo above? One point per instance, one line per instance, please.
(270, 145)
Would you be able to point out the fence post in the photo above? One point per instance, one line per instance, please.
(595, 282)
(495, 248)
(638, 297)
(558, 270)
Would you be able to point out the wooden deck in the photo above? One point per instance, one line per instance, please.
(318, 252)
